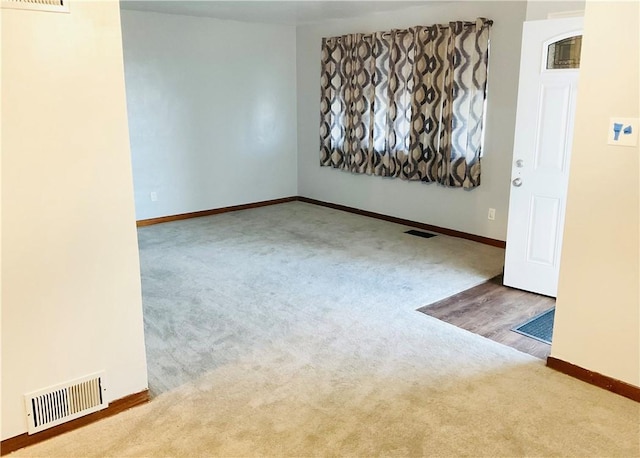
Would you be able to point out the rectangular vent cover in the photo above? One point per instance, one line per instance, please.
(65, 402)
(56, 6)
(426, 235)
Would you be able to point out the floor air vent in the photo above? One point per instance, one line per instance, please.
(426, 235)
(65, 402)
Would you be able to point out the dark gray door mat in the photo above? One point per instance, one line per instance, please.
(540, 327)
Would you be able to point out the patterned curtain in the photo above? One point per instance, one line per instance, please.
(406, 103)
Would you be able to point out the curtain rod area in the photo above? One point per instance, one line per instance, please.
(487, 22)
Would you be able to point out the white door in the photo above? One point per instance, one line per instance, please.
(542, 149)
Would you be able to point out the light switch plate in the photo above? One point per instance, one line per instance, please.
(623, 131)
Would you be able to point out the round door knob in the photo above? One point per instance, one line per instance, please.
(517, 182)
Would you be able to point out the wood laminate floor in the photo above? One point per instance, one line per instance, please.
(492, 310)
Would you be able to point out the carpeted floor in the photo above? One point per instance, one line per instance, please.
(291, 331)
(217, 288)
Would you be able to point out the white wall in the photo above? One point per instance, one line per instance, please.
(598, 309)
(427, 203)
(537, 10)
(212, 111)
(71, 302)
(1, 105)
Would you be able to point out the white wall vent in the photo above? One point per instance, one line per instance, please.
(65, 402)
(55, 6)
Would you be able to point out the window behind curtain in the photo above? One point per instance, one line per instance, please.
(406, 103)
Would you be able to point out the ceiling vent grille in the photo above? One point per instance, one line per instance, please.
(65, 402)
(55, 6)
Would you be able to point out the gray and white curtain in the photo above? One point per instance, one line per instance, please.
(406, 103)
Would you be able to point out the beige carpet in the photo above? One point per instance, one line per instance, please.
(334, 360)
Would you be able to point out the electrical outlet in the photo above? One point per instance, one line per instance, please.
(154, 196)
(492, 214)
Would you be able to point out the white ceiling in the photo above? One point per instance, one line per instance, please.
(275, 12)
